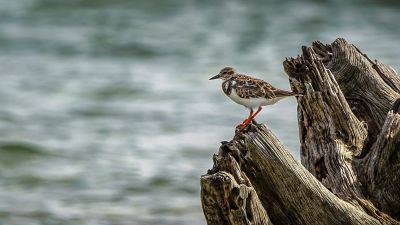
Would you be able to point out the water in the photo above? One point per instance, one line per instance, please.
(107, 115)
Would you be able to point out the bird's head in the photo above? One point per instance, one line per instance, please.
(225, 74)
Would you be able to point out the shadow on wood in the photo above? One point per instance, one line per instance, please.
(349, 122)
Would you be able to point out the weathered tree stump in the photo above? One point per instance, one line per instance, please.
(349, 122)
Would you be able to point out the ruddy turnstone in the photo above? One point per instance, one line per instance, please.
(250, 92)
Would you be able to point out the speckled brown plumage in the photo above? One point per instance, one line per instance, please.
(249, 87)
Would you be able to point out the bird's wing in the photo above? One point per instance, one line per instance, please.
(247, 87)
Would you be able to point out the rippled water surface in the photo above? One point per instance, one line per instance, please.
(107, 115)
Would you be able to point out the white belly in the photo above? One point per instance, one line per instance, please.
(252, 103)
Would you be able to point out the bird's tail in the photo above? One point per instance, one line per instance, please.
(284, 93)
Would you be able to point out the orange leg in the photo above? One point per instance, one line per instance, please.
(251, 117)
(255, 114)
(248, 118)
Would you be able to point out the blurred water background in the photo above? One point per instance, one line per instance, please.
(107, 115)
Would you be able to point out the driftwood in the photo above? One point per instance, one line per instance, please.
(349, 122)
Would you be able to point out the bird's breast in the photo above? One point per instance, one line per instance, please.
(227, 87)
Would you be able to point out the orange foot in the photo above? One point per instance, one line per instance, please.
(244, 124)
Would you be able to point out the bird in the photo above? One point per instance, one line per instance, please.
(252, 93)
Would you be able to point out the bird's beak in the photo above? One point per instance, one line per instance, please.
(215, 77)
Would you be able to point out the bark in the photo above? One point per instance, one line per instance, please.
(231, 199)
(349, 123)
